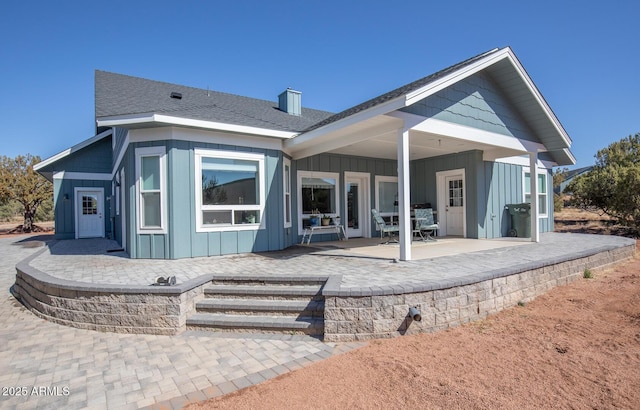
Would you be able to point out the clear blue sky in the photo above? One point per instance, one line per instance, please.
(583, 56)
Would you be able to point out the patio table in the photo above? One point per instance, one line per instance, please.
(309, 231)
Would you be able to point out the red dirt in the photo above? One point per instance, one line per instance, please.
(578, 346)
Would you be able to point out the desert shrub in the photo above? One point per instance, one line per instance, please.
(613, 185)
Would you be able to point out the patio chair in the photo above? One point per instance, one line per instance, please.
(385, 228)
(425, 223)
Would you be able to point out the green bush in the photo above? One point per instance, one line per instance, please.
(613, 185)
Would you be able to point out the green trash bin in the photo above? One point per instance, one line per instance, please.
(520, 220)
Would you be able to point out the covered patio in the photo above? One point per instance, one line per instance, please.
(487, 106)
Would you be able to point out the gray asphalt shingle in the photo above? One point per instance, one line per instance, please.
(118, 94)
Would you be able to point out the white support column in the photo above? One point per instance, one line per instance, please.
(404, 197)
(533, 184)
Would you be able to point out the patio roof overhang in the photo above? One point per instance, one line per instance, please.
(372, 128)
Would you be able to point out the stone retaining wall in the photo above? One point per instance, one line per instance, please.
(378, 314)
(124, 309)
(349, 318)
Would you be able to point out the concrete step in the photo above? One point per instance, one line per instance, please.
(251, 323)
(270, 307)
(263, 292)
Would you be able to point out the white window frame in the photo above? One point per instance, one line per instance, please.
(247, 156)
(541, 171)
(316, 174)
(286, 189)
(159, 152)
(378, 179)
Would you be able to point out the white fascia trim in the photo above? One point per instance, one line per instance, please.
(480, 65)
(539, 98)
(570, 155)
(463, 132)
(204, 136)
(71, 150)
(331, 143)
(123, 150)
(455, 77)
(186, 122)
(83, 176)
(380, 109)
(524, 161)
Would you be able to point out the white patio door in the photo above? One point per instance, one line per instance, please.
(455, 205)
(355, 218)
(89, 213)
(451, 203)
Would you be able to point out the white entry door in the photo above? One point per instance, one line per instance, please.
(356, 194)
(89, 213)
(451, 202)
(454, 208)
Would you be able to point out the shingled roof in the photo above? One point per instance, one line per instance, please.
(120, 95)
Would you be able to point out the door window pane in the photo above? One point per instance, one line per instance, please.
(353, 206)
(456, 193)
(89, 205)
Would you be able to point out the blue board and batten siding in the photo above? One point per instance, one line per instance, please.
(182, 240)
(92, 159)
(64, 216)
(478, 103)
(339, 164)
(475, 102)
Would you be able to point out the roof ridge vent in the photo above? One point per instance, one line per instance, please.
(176, 95)
(290, 101)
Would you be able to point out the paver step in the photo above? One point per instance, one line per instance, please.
(258, 280)
(266, 291)
(258, 306)
(280, 324)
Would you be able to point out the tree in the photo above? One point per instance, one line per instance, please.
(20, 183)
(613, 185)
(559, 175)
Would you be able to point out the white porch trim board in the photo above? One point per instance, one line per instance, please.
(404, 198)
(533, 180)
(82, 175)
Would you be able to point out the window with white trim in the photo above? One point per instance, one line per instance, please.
(318, 194)
(286, 183)
(150, 187)
(543, 199)
(230, 190)
(386, 195)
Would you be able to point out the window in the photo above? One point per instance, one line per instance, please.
(318, 192)
(150, 184)
(89, 204)
(456, 193)
(286, 183)
(230, 190)
(386, 195)
(542, 190)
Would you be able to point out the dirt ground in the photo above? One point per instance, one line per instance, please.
(578, 346)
